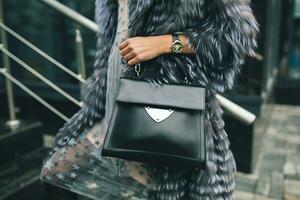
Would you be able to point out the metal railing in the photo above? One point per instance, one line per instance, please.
(73, 15)
(234, 109)
(7, 55)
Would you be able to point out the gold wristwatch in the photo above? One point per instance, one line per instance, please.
(177, 45)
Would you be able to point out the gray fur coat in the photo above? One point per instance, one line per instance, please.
(222, 32)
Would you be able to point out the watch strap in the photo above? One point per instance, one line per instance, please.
(175, 36)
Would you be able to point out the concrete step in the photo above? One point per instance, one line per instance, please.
(21, 179)
(18, 142)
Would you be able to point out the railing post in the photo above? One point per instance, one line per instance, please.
(12, 122)
(80, 56)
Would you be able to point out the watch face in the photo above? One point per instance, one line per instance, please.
(177, 46)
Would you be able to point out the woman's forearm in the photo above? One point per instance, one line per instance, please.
(138, 49)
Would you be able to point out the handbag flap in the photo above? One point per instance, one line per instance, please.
(171, 95)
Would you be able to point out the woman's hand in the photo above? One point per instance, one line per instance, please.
(138, 49)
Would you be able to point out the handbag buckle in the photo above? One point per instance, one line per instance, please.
(137, 68)
(186, 80)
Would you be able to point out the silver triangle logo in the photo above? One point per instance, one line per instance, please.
(158, 114)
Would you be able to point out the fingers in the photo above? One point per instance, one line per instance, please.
(131, 50)
(126, 50)
(130, 55)
(134, 61)
(133, 58)
(123, 44)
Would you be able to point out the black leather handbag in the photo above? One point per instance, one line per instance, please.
(161, 125)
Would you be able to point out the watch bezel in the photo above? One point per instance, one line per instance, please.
(176, 42)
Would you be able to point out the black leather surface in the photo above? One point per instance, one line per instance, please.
(134, 135)
(181, 96)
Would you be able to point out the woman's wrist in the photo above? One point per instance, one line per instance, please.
(166, 44)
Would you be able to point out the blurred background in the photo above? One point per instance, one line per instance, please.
(47, 50)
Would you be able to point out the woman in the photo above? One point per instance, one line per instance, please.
(216, 36)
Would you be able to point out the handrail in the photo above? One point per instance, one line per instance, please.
(80, 56)
(75, 16)
(31, 93)
(40, 52)
(235, 110)
(40, 76)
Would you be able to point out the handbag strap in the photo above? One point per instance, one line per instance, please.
(138, 70)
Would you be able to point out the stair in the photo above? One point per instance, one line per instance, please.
(21, 154)
(16, 143)
(21, 177)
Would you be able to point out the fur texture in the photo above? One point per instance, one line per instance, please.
(224, 35)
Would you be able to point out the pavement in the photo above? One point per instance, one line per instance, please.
(277, 173)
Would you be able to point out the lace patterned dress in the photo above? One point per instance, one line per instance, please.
(79, 167)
